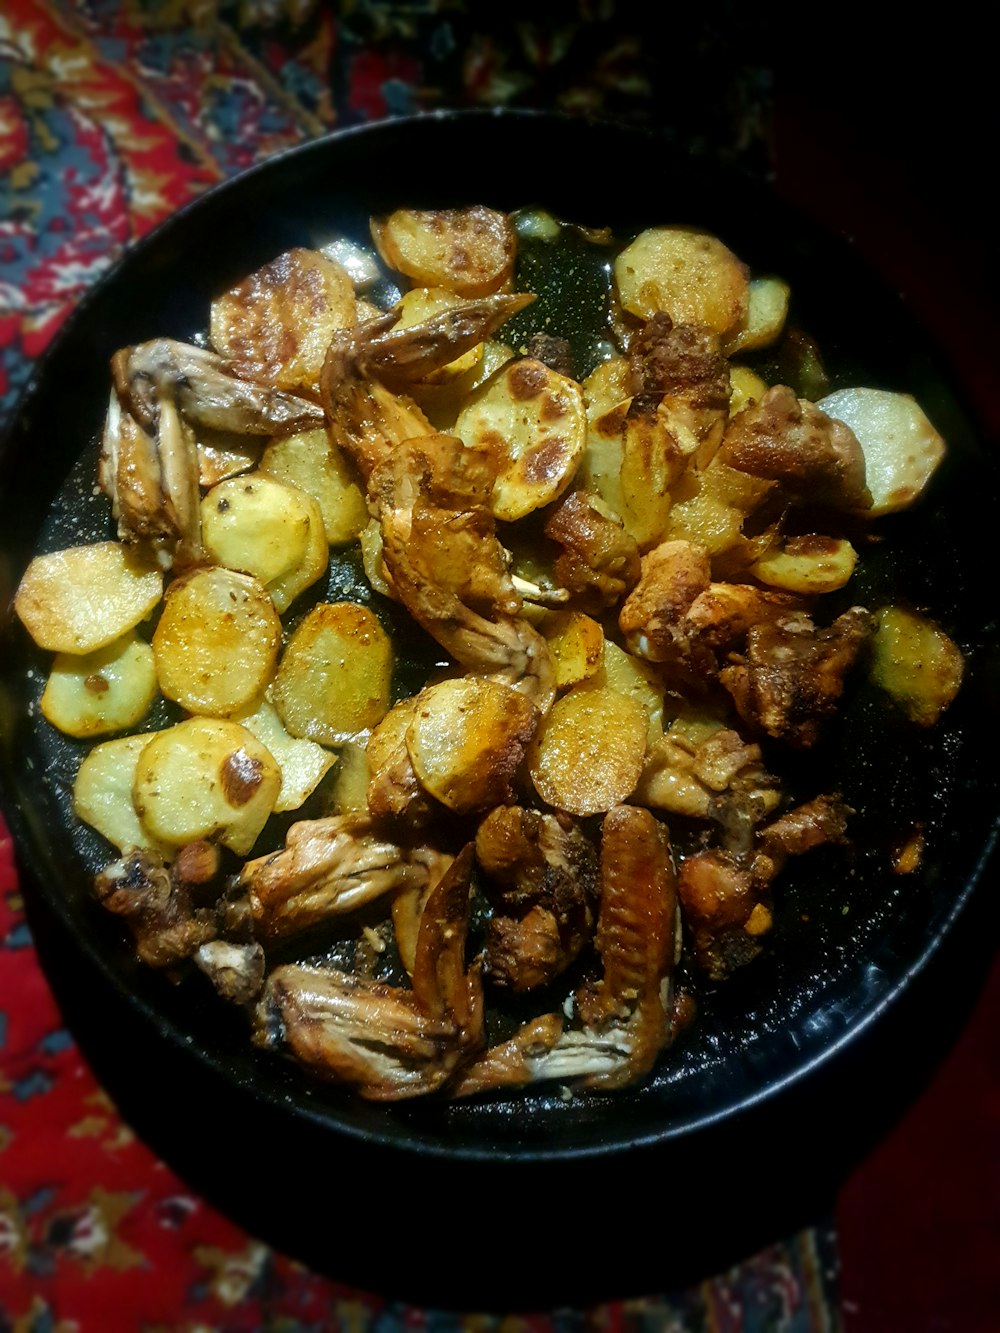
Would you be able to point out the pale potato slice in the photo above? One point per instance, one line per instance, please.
(767, 310)
(95, 693)
(531, 420)
(333, 680)
(467, 739)
(470, 251)
(276, 324)
(588, 755)
(311, 462)
(102, 795)
(221, 456)
(217, 641)
(83, 598)
(808, 564)
(255, 524)
(917, 663)
(746, 387)
(689, 275)
(313, 564)
(206, 778)
(576, 645)
(350, 782)
(371, 558)
(902, 449)
(303, 764)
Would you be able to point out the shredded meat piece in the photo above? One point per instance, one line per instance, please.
(599, 562)
(552, 352)
(792, 673)
(541, 877)
(817, 459)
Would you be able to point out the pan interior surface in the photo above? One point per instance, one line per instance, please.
(849, 934)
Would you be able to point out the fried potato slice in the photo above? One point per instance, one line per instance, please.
(902, 449)
(588, 755)
(217, 641)
(916, 662)
(311, 567)
(767, 310)
(807, 564)
(711, 506)
(470, 251)
(576, 643)
(96, 693)
(312, 462)
(531, 421)
(255, 524)
(467, 739)
(333, 679)
(84, 597)
(691, 276)
(631, 676)
(746, 387)
(303, 764)
(206, 778)
(276, 324)
(102, 794)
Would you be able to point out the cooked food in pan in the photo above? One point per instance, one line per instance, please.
(480, 815)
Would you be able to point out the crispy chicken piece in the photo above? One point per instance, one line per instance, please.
(628, 1017)
(687, 777)
(158, 906)
(678, 373)
(675, 616)
(388, 1042)
(449, 570)
(175, 913)
(327, 867)
(817, 459)
(599, 562)
(541, 878)
(792, 674)
(151, 478)
(149, 456)
(207, 391)
(724, 892)
(366, 367)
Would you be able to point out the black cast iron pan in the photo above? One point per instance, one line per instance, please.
(794, 1064)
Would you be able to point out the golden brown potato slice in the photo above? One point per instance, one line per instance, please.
(917, 663)
(747, 387)
(255, 524)
(576, 644)
(588, 755)
(217, 642)
(83, 598)
(902, 449)
(710, 507)
(276, 325)
(531, 421)
(206, 778)
(691, 276)
(333, 680)
(807, 564)
(470, 251)
(311, 462)
(467, 739)
(102, 794)
(95, 693)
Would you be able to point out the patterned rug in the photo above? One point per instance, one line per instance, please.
(113, 115)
